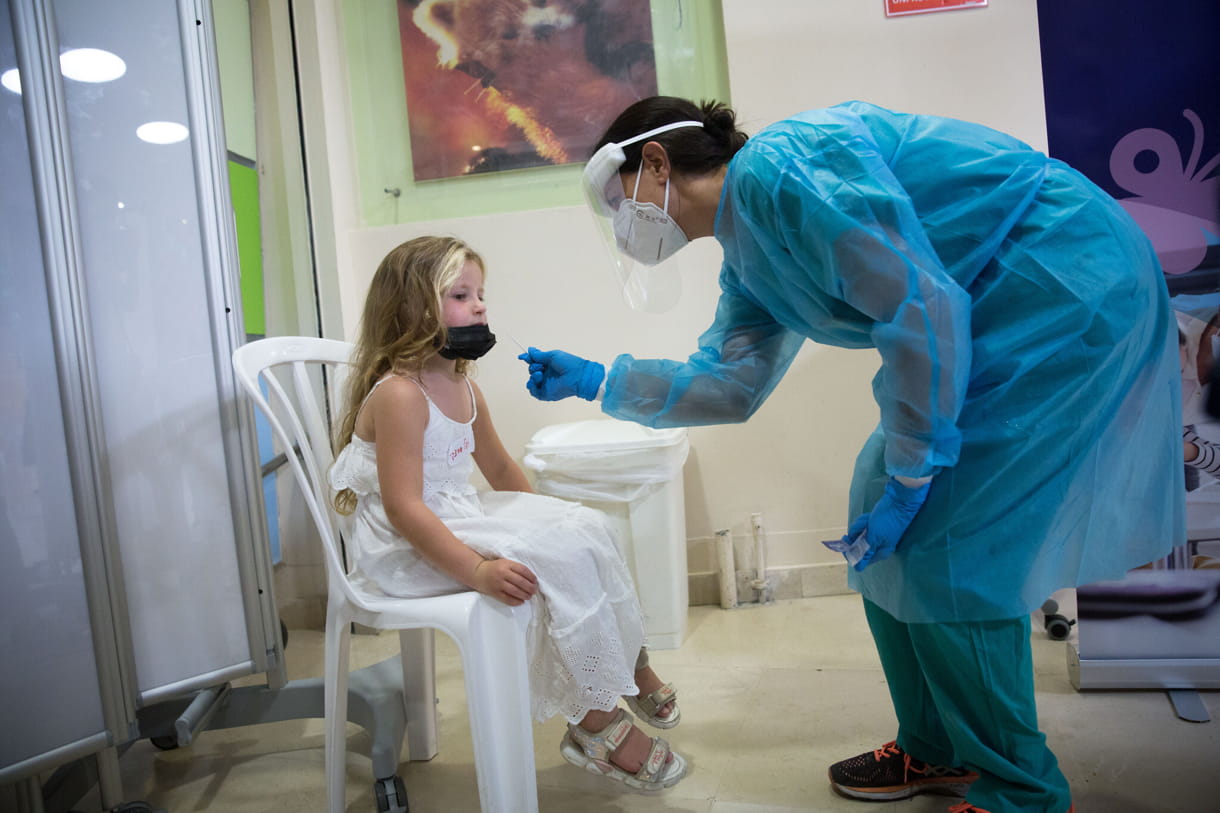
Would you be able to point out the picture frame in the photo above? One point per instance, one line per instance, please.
(495, 85)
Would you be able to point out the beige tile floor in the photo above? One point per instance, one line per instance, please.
(770, 696)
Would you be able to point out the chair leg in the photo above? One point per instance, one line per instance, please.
(497, 692)
(338, 647)
(418, 647)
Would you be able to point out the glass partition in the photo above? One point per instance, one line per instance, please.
(151, 310)
(49, 660)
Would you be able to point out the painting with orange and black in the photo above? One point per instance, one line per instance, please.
(506, 84)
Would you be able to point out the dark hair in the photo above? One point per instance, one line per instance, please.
(690, 149)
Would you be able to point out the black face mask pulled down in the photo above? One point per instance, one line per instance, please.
(469, 342)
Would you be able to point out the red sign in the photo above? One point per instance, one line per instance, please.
(899, 8)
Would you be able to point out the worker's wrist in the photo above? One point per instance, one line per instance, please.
(591, 380)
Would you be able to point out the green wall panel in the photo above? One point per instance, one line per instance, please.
(243, 186)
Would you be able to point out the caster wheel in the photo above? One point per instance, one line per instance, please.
(1058, 628)
(391, 795)
(166, 743)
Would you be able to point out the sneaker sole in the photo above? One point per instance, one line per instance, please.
(943, 787)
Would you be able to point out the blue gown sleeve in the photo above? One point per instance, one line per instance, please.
(839, 224)
(741, 358)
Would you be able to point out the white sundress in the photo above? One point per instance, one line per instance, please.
(586, 626)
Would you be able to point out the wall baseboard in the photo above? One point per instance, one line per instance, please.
(799, 581)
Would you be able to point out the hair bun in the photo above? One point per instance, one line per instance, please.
(720, 122)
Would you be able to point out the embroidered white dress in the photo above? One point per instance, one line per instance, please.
(586, 626)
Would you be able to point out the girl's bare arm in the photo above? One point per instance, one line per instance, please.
(497, 465)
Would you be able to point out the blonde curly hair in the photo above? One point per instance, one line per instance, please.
(402, 326)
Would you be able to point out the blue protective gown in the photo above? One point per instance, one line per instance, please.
(1028, 349)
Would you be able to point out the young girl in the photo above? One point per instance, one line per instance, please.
(414, 429)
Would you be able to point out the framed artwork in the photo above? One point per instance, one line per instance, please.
(496, 85)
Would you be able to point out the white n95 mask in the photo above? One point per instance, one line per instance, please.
(644, 232)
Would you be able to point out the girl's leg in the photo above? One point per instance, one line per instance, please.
(647, 682)
(980, 677)
(634, 750)
(621, 751)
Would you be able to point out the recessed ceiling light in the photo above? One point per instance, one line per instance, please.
(162, 132)
(11, 79)
(91, 65)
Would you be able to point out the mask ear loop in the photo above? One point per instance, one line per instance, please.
(635, 193)
(664, 128)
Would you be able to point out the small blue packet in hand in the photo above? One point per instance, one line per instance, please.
(852, 551)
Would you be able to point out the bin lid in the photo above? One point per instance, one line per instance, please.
(601, 435)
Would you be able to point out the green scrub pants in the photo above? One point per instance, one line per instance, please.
(964, 695)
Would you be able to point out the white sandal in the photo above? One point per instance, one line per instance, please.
(647, 705)
(663, 767)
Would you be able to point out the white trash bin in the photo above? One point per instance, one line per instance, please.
(634, 475)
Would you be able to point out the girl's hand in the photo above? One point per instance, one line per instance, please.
(505, 580)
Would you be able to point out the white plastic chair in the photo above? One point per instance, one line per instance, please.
(490, 635)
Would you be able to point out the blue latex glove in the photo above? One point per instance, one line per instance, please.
(888, 521)
(555, 374)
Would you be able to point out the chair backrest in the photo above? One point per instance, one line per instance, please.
(291, 366)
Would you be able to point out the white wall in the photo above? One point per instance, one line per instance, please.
(232, 19)
(547, 284)
(979, 64)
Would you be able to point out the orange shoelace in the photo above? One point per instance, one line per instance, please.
(891, 749)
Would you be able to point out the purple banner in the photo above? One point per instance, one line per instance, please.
(1132, 94)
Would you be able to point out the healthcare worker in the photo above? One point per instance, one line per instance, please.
(1028, 390)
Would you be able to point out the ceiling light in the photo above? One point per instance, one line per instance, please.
(91, 65)
(162, 132)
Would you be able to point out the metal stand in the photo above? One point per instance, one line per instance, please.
(70, 782)
(1142, 673)
(375, 703)
(1180, 677)
(27, 796)
(1189, 706)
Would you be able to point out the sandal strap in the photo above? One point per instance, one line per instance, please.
(617, 732)
(601, 744)
(651, 703)
(658, 758)
(641, 660)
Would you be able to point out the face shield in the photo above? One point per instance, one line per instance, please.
(639, 238)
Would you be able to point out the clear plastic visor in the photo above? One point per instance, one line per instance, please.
(649, 288)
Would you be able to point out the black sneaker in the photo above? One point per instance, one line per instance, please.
(890, 773)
